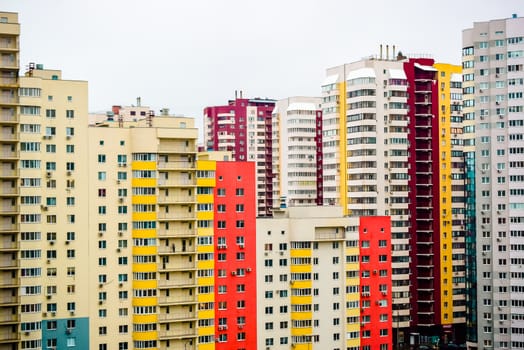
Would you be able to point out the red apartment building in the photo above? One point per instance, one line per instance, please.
(235, 260)
(244, 127)
(375, 282)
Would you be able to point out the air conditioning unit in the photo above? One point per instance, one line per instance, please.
(120, 233)
(100, 302)
(72, 312)
(69, 173)
(49, 174)
(43, 207)
(384, 293)
(241, 245)
(48, 296)
(51, 242)
(53, 313)
(26, 333)
(44, 314)
(249, 269)
(118, 250)
(118, 182)
(240, 326)
(281, 253)
(121, 199)
(49, 261)
(68, 241)
(100, 285)
(101, 233)
(121, 284)
(233, 273)
(68, 331)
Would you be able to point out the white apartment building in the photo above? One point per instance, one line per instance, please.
(301, 260)
(297, 167)
(357, 124)
(493, 78)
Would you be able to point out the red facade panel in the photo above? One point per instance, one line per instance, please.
(235, 256)
(375, 282)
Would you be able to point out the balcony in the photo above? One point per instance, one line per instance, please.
(8, 337)
(10, 318)
(173, 233)
(7, 227)
(176, 267)
(8, 263)
(177, 300)
(164, 317)
(177, 215)
(177, 199)
(176, 182)
(9, 100)
(177, 334)
(8, 117)
(176, 165)
(8, 136)
(177, 283)
(8, 245)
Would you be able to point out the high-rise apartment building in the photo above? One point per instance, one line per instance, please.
(244, 128)
(323, 280)
(297, 152)
(493, 75)
(387, 145)
(53, 227)
(9, 181)
(151, 261)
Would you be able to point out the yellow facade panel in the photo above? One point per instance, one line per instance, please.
(144, 301)
(145, 250)
(143, 166)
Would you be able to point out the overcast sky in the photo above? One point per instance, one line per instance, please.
(188, 54)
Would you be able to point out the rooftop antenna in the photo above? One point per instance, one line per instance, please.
(138, 101)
